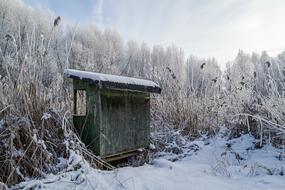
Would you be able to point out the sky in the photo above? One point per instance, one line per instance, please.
(205, 28)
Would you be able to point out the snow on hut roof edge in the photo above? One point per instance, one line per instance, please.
(114, 81)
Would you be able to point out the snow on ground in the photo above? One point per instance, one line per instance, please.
(216, 164)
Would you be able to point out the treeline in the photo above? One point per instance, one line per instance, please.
(36, 48)
(197, 96)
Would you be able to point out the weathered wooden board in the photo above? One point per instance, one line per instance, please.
(125, 121)
(88, 126)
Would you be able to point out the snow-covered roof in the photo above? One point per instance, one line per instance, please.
(114, 81)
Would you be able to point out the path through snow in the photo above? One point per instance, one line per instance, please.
(219, 165)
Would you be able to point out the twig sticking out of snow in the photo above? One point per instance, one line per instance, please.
(274, 125)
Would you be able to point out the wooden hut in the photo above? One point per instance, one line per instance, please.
(112, 113)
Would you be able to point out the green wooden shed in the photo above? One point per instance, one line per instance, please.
(112, 113)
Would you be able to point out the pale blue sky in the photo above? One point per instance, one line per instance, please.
(204, 28)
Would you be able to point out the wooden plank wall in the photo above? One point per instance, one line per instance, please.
(116, 120)
(125, 121)
(89, 126)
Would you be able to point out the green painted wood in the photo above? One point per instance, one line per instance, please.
(88, 127)
(116, 120)
(125, 121)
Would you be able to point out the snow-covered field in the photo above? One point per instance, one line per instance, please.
(216, 164)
